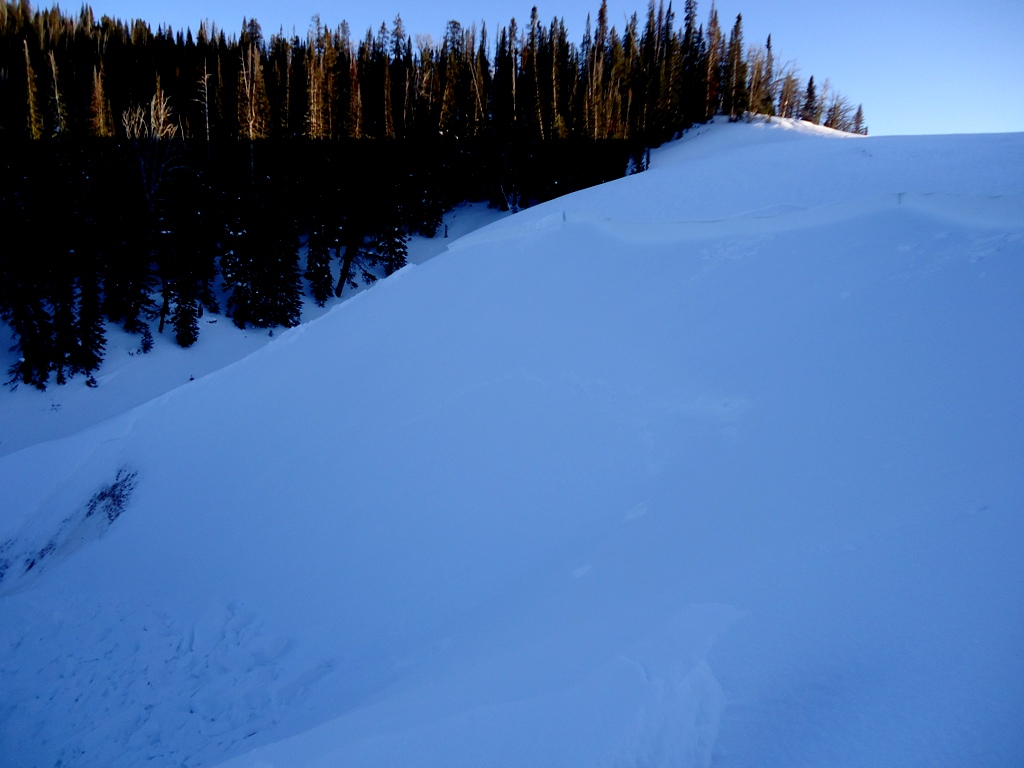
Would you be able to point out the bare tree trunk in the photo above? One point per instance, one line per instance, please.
(353, 242)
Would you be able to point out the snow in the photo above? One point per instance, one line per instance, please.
(715, 465)
(129, 378)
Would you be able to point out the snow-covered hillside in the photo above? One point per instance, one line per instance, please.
(716, 465)
(129, 378)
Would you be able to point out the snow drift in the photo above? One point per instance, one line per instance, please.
(719, 464)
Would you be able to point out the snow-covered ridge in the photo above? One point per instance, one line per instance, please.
(717, 464)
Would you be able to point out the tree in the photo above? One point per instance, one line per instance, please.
(859, 126)
(503, 104)
(253, 107)
(824, 98)
(453, 118)
(789, 94)
(261, 264)
(60, 123)
(692, 94)
(714, 59)
(736, 98)
(101, 125)
(318, 263)
(23, 302)
(810, 109)
(762, 79)
(402, 78)
(129, 279)
(318, 104)
(563, 79)
(90, 327)
(34, 121)
(838, 114)
(531, 103)
(390, 249)
(185, 317)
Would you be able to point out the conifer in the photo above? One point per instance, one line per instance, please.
(318, 264)
(859, 126)
(34, 121)
(735, 98)
(185, 318)
(100, 122)
(90, 329)
(810, 109)
(253, 106)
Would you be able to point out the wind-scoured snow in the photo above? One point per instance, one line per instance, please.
(716, 465)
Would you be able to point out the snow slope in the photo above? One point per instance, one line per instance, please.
(716, 465)
(129, 378)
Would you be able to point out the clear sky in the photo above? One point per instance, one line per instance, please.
(917, 66)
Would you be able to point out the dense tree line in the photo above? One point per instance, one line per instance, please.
(151, 233)
(63, 75)
(147, 177)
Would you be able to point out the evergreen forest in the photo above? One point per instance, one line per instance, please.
(149, 177)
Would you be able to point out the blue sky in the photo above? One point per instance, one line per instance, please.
(917, 66)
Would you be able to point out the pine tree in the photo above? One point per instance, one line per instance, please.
(60, 123)
(237, 262)
(33, 332)
(101, 125)
(126, 254)
(90, 329)
(353, 238)
(859, 126)
(318, 264)
(23, 297)
(596, 76)
(318, 101)
(285, 289)
(253, 107)
(503, 105)
(390, 247)
(532, 99)
(279, 88)
(90, 326)
(402, 77)
(453, 73)
(714, 59)
(185, 318)
(691, 94)
(480, 83)
(203, 87)
(735, 97)
(767, 103)
(810, 109)
(824, 99)
(563, 79)
(34, 121)
(261, 265)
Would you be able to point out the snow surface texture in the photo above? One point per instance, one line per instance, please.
(716, 465)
